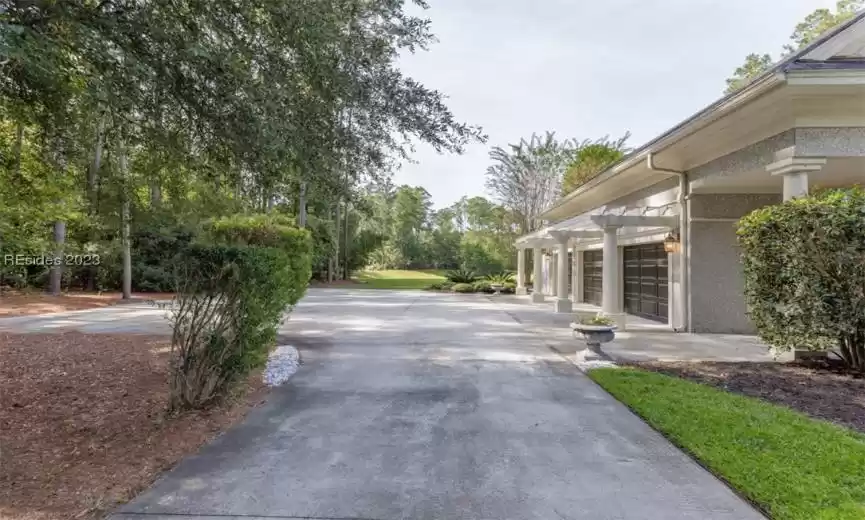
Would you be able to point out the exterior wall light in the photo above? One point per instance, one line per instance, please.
(672, 242)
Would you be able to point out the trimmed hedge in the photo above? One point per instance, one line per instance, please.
(269, 231)
(804, 270)
(483, 286)
(463, 288)
(231, 299)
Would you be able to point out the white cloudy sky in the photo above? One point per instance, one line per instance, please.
(581, 68)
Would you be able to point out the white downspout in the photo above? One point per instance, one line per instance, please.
(684, 232)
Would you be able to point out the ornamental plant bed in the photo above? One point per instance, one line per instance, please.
(33, 303)
(821, 389)
(83, 423)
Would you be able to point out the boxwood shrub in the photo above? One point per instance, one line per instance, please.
(483, 286)
(804, 271)
(463, 288)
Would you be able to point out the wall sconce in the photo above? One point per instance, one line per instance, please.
(672, 242)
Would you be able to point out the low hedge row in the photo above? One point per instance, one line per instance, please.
(481, 286)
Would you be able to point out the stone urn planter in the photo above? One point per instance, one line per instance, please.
(594, 335)
(497, 288)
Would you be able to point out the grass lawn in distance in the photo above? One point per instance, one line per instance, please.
(792, 466)
(399, 279)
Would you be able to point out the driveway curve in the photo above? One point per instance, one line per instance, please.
(425, 406)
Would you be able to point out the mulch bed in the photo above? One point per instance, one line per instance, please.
(820, 389)
(33, 303)
(83, 423)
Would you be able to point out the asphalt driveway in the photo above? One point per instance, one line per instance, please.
(424, 406)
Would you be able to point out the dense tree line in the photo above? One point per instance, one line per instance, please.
(397, 228)
(124, 125)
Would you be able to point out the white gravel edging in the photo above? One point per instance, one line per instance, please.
(585, 366)
(281, 365)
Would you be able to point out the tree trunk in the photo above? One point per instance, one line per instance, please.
(336, 242)
(330, 266)
(57, 267)
(301, 210)
(155, 194)
(93, 195)
(346, 274)
(93, 171)
(56, 273)
(123, 165)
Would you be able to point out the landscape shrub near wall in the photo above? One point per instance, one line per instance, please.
(804, 270)
(231, 297)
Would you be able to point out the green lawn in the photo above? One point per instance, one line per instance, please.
(397, 279)
(794, 467)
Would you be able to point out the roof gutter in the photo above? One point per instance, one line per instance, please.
(684, 296)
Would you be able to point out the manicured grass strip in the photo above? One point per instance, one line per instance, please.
(794, 467)
(398, 279)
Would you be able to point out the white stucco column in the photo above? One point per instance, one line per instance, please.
(610, 273)
(795, 171)
(538, 276)
(563, 304)
(547, 275)
(521, 272)
(554, 281)
(579, 276)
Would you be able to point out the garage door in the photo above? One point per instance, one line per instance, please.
(646, 282)
(593, 280)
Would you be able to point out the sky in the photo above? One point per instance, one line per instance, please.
(581, 68)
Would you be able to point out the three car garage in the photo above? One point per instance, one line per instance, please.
(646, 278)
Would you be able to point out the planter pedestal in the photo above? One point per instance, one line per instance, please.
(594, 336)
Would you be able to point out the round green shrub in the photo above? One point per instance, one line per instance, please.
(804, 270)
(463, 288)
(483, 286)
(440, 286)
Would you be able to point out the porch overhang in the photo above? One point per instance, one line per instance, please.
(637, 221)
(589, 228)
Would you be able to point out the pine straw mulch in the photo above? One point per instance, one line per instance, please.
(33, 303)
(820, 389)
(83, 424)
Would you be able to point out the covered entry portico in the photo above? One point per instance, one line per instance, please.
(574, 243)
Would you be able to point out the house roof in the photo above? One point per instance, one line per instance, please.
(837, 53)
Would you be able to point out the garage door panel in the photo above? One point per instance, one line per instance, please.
(646, 281)
(593, 262)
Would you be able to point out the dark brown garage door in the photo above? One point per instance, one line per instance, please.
(593, 280)
(646, 282)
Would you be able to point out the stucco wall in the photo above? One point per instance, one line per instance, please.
(755, 156)
(717, 287)
(729, 205)
(830, 142)
(717, 302)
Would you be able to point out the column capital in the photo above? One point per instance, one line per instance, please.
(795, 165)
(563, 237)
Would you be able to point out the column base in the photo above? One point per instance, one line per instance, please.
(564, 306)
(537, 297)
(522, 291)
